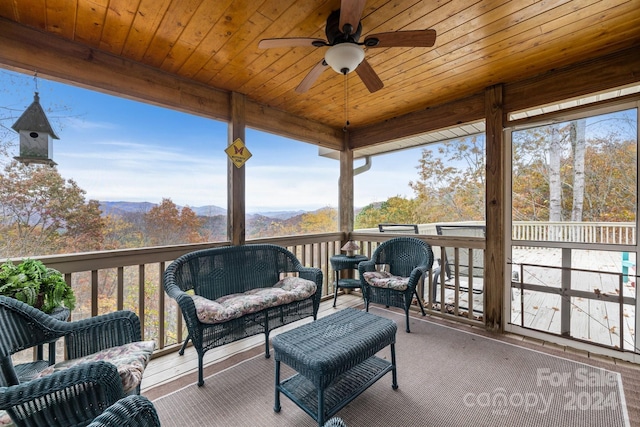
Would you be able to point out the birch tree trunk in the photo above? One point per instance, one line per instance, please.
(578, 145)
(555, 189)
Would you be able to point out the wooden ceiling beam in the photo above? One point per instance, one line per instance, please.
(606, 72)
(430, 119)
(29, 50)
(588, 77)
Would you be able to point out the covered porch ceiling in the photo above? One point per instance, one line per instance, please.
(192, 54)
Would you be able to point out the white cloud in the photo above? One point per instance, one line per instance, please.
(122, 170)
(80, 124)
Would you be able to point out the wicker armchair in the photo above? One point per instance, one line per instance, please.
(392, 274)
(130, 411)
(72, 397)
(114, 337)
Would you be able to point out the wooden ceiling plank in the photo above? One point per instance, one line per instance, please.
(196, 35)
(263, 65)
(61, 17)
(552, 53)
(440, 82)
(32, 13)
(9, 10)
(284, 74)
(334, 89)
(402, 64)
(169, 31)
(274, 9)
(301, 15)
(237, 67)
(117, 24)
(90, 22)
(495, 32)
(211, 43)
(392, 16)
(459, 35)
(229, 31)
(145, 24)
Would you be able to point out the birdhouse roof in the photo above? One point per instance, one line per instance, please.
(34, 119)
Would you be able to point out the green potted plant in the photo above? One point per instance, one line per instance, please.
(37, 285)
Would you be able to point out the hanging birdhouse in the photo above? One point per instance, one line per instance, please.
(36, 135)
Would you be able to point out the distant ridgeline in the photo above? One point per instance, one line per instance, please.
(212, 221)
(121, 208)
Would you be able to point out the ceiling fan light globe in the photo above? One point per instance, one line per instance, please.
(344, 56)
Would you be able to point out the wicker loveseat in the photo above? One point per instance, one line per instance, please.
(233, 292)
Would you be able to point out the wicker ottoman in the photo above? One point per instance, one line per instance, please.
(335, 360)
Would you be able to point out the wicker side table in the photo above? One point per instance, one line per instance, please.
(343, 262)
(335, 360)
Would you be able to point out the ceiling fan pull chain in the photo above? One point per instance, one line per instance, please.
(346, 102)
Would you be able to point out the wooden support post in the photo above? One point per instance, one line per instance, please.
(236, 204)
(494, 256)
(565, 301)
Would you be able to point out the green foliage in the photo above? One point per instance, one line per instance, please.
(37, 285)
(397, 210)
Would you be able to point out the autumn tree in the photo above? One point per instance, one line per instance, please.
(451, 181)
(560, 175)
(165, 224)
(530, 184)
(321, 221)
(214, 228)
(397, 210)
(610, 180)
(42, 213)
(120, 233)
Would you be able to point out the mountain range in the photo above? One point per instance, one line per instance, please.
(121, 208)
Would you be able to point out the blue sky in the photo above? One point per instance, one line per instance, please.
(117, 149)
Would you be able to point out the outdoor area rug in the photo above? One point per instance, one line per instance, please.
(446, 377)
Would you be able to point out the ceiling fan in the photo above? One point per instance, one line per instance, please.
(345, 53)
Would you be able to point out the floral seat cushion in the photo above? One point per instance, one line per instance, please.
(384, 279)
(5, 419)
(130, 359)
(234, 306)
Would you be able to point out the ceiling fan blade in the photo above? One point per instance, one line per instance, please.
(416, 38)
(291, 42)
(369, 77)
(311, 77)
(350, 13)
